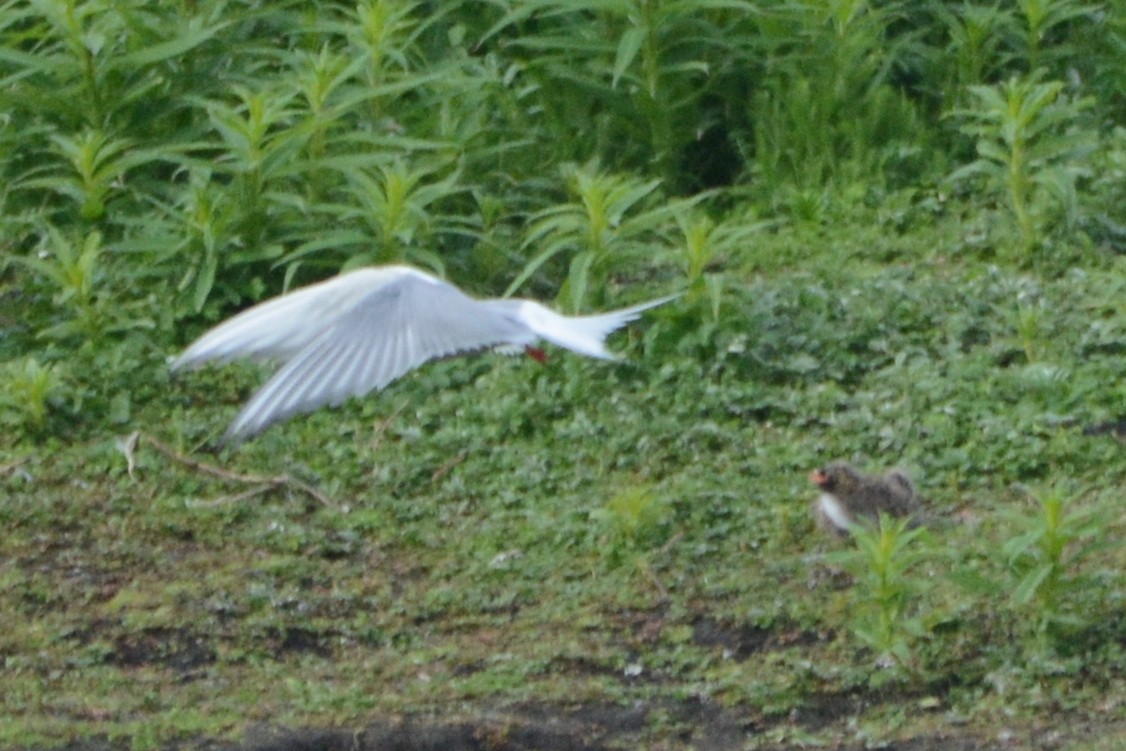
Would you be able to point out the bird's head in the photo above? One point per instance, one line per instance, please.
(835, 477)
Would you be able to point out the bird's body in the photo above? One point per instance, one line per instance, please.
(360, 331)
(848, 496)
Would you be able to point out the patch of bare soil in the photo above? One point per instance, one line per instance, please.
(741, 640)
(702, 726)
(178, 649)
(697, 725)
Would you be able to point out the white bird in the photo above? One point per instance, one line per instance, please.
(360, 331)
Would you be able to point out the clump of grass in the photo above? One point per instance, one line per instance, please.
(29, 390)
(632, 518)
(633, 522)
(827, 116)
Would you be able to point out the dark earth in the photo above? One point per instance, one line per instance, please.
(692, 724)
(706, 727)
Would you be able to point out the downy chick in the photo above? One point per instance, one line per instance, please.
(848, 496)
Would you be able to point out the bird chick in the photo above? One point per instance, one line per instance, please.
(849, 496)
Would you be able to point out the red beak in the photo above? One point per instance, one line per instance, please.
(818, 478)
(536, 354)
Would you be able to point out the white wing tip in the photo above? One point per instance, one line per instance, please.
(186, 360)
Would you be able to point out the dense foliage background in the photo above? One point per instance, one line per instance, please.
(899, 227)
(163, 163)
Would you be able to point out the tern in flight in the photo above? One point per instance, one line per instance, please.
(360, 331)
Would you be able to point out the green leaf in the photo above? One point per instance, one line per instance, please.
(187, 38)
(1030, 584)
(204, 281)
(628, 47)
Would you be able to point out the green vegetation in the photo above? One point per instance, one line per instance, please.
(880, 566)
(900, 231)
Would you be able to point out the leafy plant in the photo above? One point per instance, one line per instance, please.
(646, 69)
(75, 271)
(382, 31)
(72, 269)
(608, 220)
(1040, 18)
(401, 208)
(976, 38)
(257, 143)
(886, 592)
(707, 246)
(1029, 151)
(1045, 554)
(97, 165)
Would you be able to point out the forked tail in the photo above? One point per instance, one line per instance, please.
(584, 334)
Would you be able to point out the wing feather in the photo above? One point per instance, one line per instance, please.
(280, 328)
(386, 333)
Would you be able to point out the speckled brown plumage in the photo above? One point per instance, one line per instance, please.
(850, 496)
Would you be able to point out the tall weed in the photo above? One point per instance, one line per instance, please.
(827, 111)
(1045, 557)
(885, 616)
(607, 220)
(1030, 151)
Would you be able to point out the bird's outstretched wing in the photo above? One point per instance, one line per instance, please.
(386, 333)
(280, 328)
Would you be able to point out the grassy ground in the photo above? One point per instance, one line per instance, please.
(622, 552)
